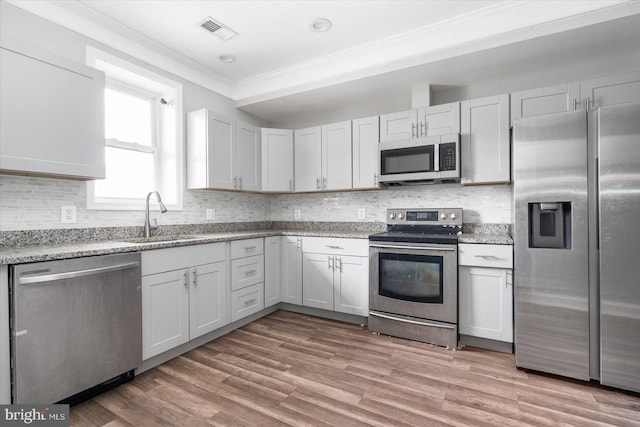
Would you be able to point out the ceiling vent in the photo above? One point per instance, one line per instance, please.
(218, 28)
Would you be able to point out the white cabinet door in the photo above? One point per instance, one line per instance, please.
(439, 120)
(612, 90)
(336, 156)
(208, 298)
(546, 100)
(52, 119)
(486, 303)
(399, 126)
(248, 157)
(351, 285)
(210, 151)
(272, 270)
(277, 160)
(308, 159)
(317, 280)
(366, 156)
(165, 311)
(292, 269)
(485, 140)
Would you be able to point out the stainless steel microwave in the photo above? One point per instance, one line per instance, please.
(420, 160)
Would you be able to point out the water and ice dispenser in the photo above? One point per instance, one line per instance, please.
(550, 225)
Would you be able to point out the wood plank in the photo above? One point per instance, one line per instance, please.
(294, 369)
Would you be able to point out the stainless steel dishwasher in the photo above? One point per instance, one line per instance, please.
(75, 323)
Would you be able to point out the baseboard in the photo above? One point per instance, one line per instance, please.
(501, 346)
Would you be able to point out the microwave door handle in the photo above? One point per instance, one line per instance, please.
(436, 157)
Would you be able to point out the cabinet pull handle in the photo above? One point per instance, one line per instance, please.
(334, 247)
(240, 182)
(250, 248)
(250, 272)
(422, 129)
(235, 182)
(250, 301)
(299, 243)
(317, 183)
(339, 263)
(575, 103)
(324, 182)
(375, 179)
(330, 261)
(186, 280)
(195, 277)
(492, 257)
(414, 128)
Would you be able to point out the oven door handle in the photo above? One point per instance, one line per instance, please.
(413, 322)
(423, 248)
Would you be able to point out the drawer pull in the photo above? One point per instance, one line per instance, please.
(250, 272)
(250, 248)
(334, 247)
(250, 302)
(491, 257)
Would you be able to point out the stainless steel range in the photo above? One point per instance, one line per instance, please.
(413, 280)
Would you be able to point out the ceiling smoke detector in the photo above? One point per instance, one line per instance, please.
(320, 25)
(217, 28)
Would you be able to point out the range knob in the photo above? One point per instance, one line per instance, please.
(400, 216)
(392, 215)
(443, 215)
(453, 215)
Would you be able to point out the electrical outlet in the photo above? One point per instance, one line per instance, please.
(211, 214)
(68, 214)
(361, 213)
(296, 214)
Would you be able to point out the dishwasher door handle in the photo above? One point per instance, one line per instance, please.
(73, 274)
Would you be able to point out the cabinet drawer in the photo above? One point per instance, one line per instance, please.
(159, 260)
(247, 271)
(335, 246)
(497, 256)
(247, 301)
(248, 247)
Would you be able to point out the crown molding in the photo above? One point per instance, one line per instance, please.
(492, 26)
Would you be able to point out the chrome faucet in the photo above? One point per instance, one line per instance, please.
(147, 225)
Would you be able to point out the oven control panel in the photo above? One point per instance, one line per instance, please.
(443, 216)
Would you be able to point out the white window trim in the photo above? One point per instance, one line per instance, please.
(93, 55)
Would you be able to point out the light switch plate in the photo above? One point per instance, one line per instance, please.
(68, 214)
(361, 213)
(296, 214)
(211, 214)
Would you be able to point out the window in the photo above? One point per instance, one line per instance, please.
(143, 137)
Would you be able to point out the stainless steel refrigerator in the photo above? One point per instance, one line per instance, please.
(577, 244)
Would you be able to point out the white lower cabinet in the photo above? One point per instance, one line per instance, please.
(486, 291)
(247, 277)
(184, 295)
(272, 270)
(292, 269)
(335, 274)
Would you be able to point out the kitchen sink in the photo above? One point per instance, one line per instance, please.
(160, 239)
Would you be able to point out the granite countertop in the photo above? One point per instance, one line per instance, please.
(49, 251)
(48, 245)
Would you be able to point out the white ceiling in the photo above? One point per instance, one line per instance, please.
(279, 57)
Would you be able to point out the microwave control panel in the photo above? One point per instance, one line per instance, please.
(448, 156)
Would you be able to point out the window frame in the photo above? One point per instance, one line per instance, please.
(174, 143)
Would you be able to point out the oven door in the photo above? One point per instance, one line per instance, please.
(414, 279)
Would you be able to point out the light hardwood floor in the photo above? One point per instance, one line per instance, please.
(292, 369)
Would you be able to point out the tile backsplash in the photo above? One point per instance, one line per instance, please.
(28, 203)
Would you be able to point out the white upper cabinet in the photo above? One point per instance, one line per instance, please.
(52, 120)
(336, 156)
(428, 121)
(210, 154)
(485, 140)
(248, 157)
(366, 157)
(546, 100)
(308, 159)
(277, 160)
(613, 90)
(323, 157)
